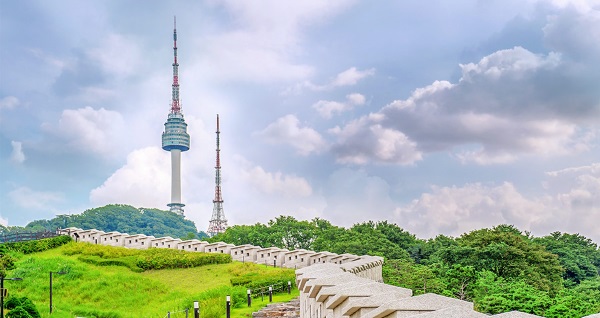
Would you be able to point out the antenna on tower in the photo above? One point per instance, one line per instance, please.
(175, 105)
(218, 223)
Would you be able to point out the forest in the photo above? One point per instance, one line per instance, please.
(121, 218)
(499, 269)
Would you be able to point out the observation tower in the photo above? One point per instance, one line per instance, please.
(175, 138)
(218, 223)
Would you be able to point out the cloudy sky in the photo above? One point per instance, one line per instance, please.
(440, 116)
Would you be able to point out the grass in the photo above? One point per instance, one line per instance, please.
(90, 290)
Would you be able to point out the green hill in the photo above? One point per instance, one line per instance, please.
(124, 219)
(112, 289)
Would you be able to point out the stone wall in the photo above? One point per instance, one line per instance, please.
(330, 285)
(368, 267)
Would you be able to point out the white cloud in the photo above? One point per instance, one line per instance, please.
(353, 196)
(27, 198)
(356, 99)
(264, 44)
(327, 108)
(117, 54)
(357, 145)
(9, 102)
(17, 155)
(504, 106)
(351, 76)
(348, 77)
(287, 130)
(457, 210)
(3, 221)
(276, 183)
(144, 181)
(571, 203)
(89, 130)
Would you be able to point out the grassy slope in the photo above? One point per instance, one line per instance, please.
(115, 291)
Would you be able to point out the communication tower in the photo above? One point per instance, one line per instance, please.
(175, 138)
(218, 223)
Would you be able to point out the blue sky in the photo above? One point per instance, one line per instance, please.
(440, 116)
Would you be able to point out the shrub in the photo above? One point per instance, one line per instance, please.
(18, 312)
(29, 247)
(156, 258)
(21, 307)
(128, 262)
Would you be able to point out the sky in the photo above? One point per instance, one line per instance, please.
(440, 116)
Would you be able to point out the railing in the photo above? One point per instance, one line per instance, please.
(26, 236)
(264, 291)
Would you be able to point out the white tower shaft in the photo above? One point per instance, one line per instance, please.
(176, 176)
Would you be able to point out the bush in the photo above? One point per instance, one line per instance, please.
(21, 307)
(158, 258)
(29, 247)
(18, 312)
(127, 261)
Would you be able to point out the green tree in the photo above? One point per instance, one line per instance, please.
(494, 294)
(507, 253)
(578, 255)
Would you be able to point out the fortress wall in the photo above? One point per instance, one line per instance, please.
(330, 285)
(365, 266)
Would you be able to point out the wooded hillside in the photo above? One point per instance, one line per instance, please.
(499, 269)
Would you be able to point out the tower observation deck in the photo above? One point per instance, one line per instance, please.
(175, 138)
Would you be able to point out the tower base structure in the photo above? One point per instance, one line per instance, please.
(176, 208)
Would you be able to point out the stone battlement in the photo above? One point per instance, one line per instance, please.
(365, 266)
(331, 285)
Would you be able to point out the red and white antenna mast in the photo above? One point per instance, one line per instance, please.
(175, 105)
(218, 223)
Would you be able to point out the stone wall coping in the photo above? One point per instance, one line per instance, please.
(425, 302)
(245, 246)
(138, 236)
(164, 238)
(312, 287)
(366, 291)
(329, 291)
(373, 301)
(113, 233)
(518, 314)
(452, 312)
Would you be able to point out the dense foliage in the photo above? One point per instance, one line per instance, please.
(21, 307)
(499, 269)
(116, 292)
(28, 247)
(141, 260)
(121, 218)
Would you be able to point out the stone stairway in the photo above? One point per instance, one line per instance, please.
(290, 309)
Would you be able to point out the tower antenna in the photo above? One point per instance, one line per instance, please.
(175, 138)
(218, 223)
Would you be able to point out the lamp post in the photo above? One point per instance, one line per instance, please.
(2, 279)
(228, 309)
(60, 273)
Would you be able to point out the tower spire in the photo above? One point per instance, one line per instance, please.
(218, 223)
(175, 105)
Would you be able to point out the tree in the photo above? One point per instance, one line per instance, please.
(507, 253)
(494, 294)
(419, 278)
(578, 255)
(124, 219)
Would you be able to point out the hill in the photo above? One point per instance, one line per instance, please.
(115, 291)
(125, 219)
